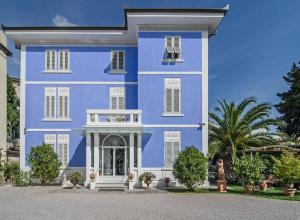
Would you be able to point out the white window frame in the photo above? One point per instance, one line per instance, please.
(171, 137)
(173, 59)
(51, 140)
(63, 69)
(51, 92)
(117, 92)
(118, 70)
(51, 51)
(172, 83)
(63, 92)
(63, 139)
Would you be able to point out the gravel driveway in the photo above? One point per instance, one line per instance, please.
(55, 203)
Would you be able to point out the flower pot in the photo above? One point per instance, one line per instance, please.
(263, 185)
(167, 181)
(289, 190)
(248, 189)
(221, 185)
(147, 182)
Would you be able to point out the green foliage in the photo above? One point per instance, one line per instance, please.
(10, 170)
(75, 178)
(44, 163)
(236, 127)
(13, 115)
(287, 168)
(147, 177)
(22, 178)
(289, 105)
(249, 171)
(190, 168)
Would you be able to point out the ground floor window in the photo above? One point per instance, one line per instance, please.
(60, 144)
(172, 140)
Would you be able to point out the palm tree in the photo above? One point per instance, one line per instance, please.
(236, 127)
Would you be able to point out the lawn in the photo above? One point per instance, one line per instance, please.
(271, 193)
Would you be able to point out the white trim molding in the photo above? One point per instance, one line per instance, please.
(48, 129)
(22, 107)
(169, 72)
(171, 125)
(80, 83)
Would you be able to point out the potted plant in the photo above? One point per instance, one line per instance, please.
(167, 181)
(263, 185)
(147, 178)
(130, 176)
(249, 170)
(75, 178)
(287, 169)
(92, 177)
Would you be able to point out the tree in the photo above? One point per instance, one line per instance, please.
(289, 106)
(190, 168)
(44, 163)
(13, 115)
(236, 127)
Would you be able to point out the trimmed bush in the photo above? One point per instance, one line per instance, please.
(21, 179)
(190, 167)
(147, 178)
(10, 170)
(75, 178)
(44, 163)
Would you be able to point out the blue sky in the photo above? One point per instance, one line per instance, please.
(255, 45)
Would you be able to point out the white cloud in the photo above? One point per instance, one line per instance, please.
(62, 21)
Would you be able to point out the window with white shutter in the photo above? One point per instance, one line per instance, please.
(117, 97)
(117, 61)
(50, 60)
(64, 60)
(173, 48)
(172, 140)
(172, 96)
(63, 102)
(50, 103)
(63, 149)
(51, 140)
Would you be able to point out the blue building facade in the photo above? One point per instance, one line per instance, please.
(114, 101)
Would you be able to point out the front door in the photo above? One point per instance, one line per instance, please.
(114, 161)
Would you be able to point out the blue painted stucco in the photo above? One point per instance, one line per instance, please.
(92, 64)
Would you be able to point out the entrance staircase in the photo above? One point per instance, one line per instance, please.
(111, 184)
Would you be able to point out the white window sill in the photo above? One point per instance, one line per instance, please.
(57, 71)
(172, 114)
(57, 119)
(172, 60)
(167, 168)
(118, 72)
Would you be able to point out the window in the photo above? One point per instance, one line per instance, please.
(57, 63)
(172, 141)
(118, 61)
(63, 102)
(50, 102)
(51, 140)
(173, 48)
(50, 64)
(52, 96)
(117, 97)
(63, 149)
(63, 60)
(172, 96)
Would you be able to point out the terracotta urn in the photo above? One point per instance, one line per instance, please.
(92, 177)
(248, 189)
(221, 184)
(167, 181)
(289, 190)
(263, 185)
(130, 176)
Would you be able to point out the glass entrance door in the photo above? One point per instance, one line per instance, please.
(114, 161)
(120, 162)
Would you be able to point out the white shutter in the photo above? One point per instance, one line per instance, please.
(63, 107)
(169, 45)
(121, 103)
(168, 154)
(121, 60)
(48, 60)
(176, 147)
(50, 102)
(51, 140)
(61, 60)
(63, 149)
(169, 100)
(172, 95)
(117, 97)
(176, 100)
(177, 46)
(64, 60)
(114, 103)
(53, 60)
(114, 62)
(172, 140)
(67, 57)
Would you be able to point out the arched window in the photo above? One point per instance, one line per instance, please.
(114, 140)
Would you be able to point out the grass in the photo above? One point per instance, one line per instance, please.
(271, 193)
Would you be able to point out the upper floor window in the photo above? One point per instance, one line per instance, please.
(117, 97)
(52, 96)
(172, 97)
(173, 48)
(118, 61)
(172, 141)
(57, 61)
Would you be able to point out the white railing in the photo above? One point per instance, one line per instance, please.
(108, 117)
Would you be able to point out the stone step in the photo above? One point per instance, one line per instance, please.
(111, 186)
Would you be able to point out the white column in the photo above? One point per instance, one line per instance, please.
(139, 153)
(96, 153)
(131, 152)
(88, 155)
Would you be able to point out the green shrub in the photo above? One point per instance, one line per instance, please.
(190, 168)
(10, 170)
(287, 168)
(249, 170)
(21, 179)
(75, 178)
(147, 177)
(44, 163)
